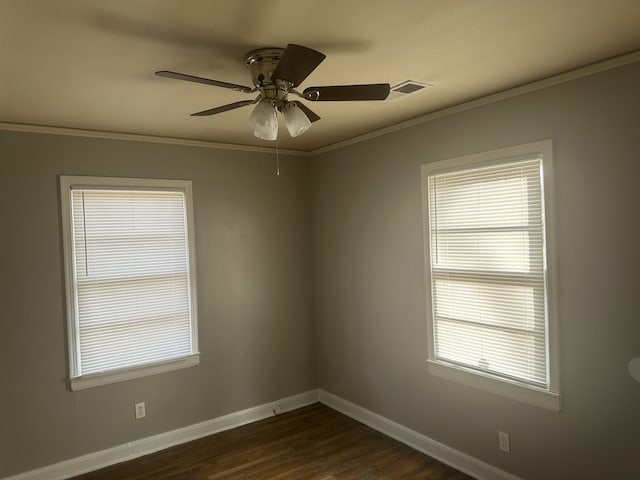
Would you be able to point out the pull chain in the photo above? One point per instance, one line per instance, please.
(277, 159)
(277, 156)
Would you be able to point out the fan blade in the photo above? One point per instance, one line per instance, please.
(224, 108)
(341, 93)
(297, 63)
(206, 81)
(311, 115)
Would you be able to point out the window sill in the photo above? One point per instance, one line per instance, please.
(97, 379)
(533, 396)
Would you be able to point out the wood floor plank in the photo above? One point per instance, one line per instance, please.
(312, 443)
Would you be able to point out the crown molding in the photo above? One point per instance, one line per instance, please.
(568, 76)
(75, 132)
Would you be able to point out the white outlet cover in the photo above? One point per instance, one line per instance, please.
(634, 368)
(503, 442)
(140, 410)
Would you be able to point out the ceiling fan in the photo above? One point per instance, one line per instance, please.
(276, 72)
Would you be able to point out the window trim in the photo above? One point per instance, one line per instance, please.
(545, 398)
(81, 382)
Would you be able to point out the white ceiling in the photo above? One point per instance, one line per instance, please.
(89, 64)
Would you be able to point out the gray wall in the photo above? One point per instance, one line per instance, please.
(369, 282)
(254, 295)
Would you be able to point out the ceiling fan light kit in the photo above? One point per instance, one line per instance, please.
(264, 121)
(276, 72)
(295, 119)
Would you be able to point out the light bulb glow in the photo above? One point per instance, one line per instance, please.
(263, 120)
(296, 120)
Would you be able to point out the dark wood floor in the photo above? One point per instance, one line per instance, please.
(312, 443)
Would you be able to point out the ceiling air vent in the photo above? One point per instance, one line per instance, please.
(407, 88)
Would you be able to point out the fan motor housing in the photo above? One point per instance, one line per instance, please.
(261, 64)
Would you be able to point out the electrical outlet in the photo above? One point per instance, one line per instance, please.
(141, 412)
(503, 442)
(277, 409)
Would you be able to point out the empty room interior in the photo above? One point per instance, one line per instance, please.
(414, 220)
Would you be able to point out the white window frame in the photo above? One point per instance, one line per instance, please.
(548, 398)
(81, 382)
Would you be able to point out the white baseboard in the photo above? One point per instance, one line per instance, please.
(137, 448)
(455, 458)
(145, 446)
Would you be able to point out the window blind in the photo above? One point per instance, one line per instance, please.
(487, 264)
(131, 274)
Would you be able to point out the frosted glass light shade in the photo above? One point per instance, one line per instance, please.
(296, 120)
(263, 120)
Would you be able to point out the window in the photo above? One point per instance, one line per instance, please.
(130, 277)
(487, 272)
